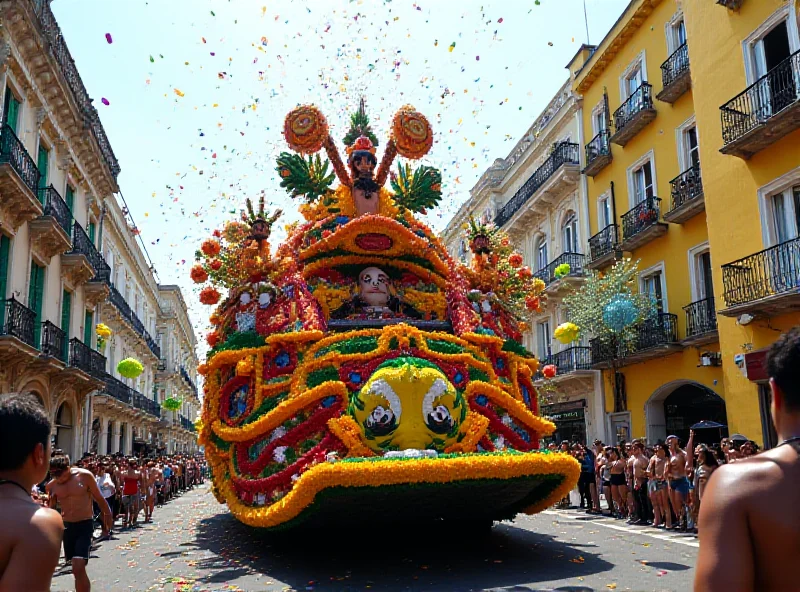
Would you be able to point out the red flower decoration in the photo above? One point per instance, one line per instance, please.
(212, 338)
(549, 371)
(215, 264)
(210, 247)
(515, 260)
(198, 274)
(524, 272)
(209, 295)
(533, 303)
(216, 234)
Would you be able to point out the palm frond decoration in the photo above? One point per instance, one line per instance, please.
(359, 126)
(419, 190)
(304, 177)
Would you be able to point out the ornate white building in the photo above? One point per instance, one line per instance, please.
(58, 213)
(538, 195)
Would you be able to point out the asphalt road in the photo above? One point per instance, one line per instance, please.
(195, 545)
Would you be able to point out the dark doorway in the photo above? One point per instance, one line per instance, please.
(690, 404)
(781, 79)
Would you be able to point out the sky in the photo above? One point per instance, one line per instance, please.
(193, 93)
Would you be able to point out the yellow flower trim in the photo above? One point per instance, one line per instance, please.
(473, 428)
(285, 410)
(313, 269)
(428, 301)
(342, 199)
(346, 429)
(244, 367)
(378, 473)
(515, 408)
(330, 298)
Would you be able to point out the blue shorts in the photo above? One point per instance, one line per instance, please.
(680, 485)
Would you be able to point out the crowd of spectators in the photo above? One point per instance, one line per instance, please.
(659, 485)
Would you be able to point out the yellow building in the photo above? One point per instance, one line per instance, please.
(746, 59)
(645, 176)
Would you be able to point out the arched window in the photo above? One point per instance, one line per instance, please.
(541, 253)
(569, 233)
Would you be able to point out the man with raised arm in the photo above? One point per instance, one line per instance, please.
(74, 489)
(30, 535)
(750, 516)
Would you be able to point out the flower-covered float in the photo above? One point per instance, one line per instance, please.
(359, 373)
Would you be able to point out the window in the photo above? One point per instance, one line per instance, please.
(570, 234)
(543, 339)
(705, 285)
(653, 285)
(541, 254)
(66, 314)
(5, 258)
(88, 328)
(599, 120)
(604, 212)
(69, 197)
(691, 147)
(786, 214)
(643, 182)
(35, 297)
(633, 81)
(11, 110)
(42, 163)
(92, 232)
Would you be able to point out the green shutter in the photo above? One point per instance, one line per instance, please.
(42, 164)
(88, 326)
(70, 198)
(66, 314)
(35, 297)
(92, 232)
(11, 110)
(5, 254)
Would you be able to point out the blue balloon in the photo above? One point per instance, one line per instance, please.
(619, 313)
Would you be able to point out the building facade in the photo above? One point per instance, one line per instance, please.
(58, 176)
(538, 196)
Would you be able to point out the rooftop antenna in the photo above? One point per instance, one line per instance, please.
(586, 20)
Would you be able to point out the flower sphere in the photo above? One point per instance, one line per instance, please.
(515, 260)
(210, 247)
(412, 133)
(305, 129)
(209, 295)
(549, 371)
(102, 330)
(567, 332)
(620, 313)
(130, 368)
(198, 274)
(562, 271)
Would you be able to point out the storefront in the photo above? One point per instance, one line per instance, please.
(570, 420)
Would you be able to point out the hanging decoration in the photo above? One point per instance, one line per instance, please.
(567, 333)
(130, 368)
(620, 313)
(103, 332)
(562, 271)
(172, 404)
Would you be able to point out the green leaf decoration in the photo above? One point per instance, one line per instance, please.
(307, 178)
(417, 191)
(359, 126)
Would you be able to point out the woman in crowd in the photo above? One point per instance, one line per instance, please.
(706, 464)
(616, 466)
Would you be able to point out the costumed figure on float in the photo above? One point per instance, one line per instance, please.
(358, 373)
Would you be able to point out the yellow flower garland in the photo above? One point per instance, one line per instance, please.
(473, 428)
(346, 429)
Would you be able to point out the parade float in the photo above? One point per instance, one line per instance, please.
(358, 373)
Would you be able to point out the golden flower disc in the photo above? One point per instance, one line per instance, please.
(412, 133)
(305, 129)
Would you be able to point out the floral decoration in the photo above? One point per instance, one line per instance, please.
(130, 368)
(567, 332)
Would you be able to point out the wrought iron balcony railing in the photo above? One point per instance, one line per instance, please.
(80, 355)
(188, 379)
(769, 95)
(187, 424)
(81, 243)
(55, 206)
(117, 389)
(571, 359)
(685, 187)
(13, 152)
(770, 272)
(598, 147)
(18, 321)
(60, 52)
(145, 404)
(675, 66)
(701, 317)
(576, 267)
(660, 330)
(563, 153)
(640, 100)
(127, 313)
(54, 341)
(643, 215)
(604, 242)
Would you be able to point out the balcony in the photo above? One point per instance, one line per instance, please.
(676, 75)
(554, 284)
(132, 319)
(117, 390)
(50, 232)
(60, 52)
(765, 112)
(603, 247)
(701, 323)
(97, 289)
(19, 181)
(641, 224)
(187, 424)
(559, 173)
(634, 115)
(76, 267)
(85, 359)
(145, 404)
(571, 363)
(188, 380)
(766, 283)
(688, 199)
(653, 338)
(53, 342)
(598, 153)
(17, 333)
(731, 4)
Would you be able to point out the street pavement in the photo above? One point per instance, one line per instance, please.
(195, 545)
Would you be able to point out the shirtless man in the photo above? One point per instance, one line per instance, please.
(638, 464)
(151, 476)
(678, 481)
(30, 535)
(657, 484)
(74, 489)
(750, 518)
